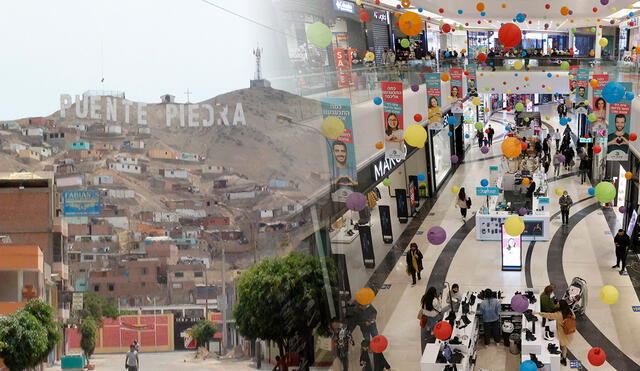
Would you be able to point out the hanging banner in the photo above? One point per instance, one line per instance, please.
(414, 197)
(619, 122)
(572, 82)
(471, 82)
(582, 87)
(434, 100)
(342, 153)
(599, 104)
(385, 223)
(343, 67)
(393, 120)
(456, 90)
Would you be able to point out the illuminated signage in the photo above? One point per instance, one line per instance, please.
(344, 6)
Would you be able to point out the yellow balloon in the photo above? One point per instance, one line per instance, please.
(358, 2)
(332, 127)
(415, 136)
(455, 189)
(609, 294)
(603, 42)
(514, 225)
(559, 191)
(518, 65)
(369, 56)
(476, 101)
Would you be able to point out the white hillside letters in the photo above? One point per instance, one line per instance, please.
(114, 109)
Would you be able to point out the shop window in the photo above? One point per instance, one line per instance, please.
(198, 274)
(179, 274)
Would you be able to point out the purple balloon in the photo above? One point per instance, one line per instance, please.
(604, 2)
(622, 209)
(523, 211)
(356, 201)
(436, 235)
(454, 159)
(561, 158)
(519, 303)
(415, 87)
(484, 150)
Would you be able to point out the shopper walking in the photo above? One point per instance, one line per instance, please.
(562, 110)
(463, 202)
(565, 204)
(490, 134)
(365, 358)
(546, 303)
(414, 262)
(622, 242)
(480, 136)
(490, 310)
(380, 363)
(568, 157)
(366, 319)
(557, 163)
(432, 309)
(585, 165)
(557, 136)
(131, 361)
(341, 340)
(565, 323)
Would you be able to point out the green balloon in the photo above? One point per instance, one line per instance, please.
(605, 192)
(479, 126)
(592, 117)
(386, 182)
(593, 29)
(319, 35)
(405, 43)
(526, 119)
(564, 65)
(519, 107)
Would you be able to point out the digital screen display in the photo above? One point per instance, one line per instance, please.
(511, 252)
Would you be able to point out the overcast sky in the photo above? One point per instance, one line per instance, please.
(145, 47)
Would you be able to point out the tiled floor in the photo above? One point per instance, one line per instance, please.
(587, 252)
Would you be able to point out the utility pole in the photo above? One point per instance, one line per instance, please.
(206, 299)
(224, 299)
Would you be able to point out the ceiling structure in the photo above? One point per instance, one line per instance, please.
(537, 15)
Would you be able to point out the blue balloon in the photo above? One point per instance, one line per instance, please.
(528, 365)
(549, 74)
(520, 17)
(377, 101)
(450, 134)
(507, 128)
(420, 10)
(613, 92)
(467, 136)
(422, 177)
(459, 11)
(629, 95)
(563, 121)
(569, 119)
(516, 74)
(483, 13)
(524, 53)
(592, 191)
(452, 120)
(484, 182)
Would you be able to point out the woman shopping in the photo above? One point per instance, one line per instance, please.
(414, 262)
(565, 327)
(431, 307)
(463, 202)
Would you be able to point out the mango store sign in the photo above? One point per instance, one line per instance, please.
(114, 109)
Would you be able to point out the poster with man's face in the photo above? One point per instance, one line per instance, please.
(341, 150)
(618, 134)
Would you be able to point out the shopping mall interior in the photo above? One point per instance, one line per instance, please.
(400, 185)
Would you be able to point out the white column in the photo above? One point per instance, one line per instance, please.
(597, 47)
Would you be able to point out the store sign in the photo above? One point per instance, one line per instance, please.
(543, 200)
(81, 203)
(343, 65)
(77, 301)
(383, 167)
(586, 140)
(344, 6)
(381, 16)
(487, 191)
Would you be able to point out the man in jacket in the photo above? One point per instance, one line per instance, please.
(565, 205)
(490, 310)
(490, 134)
(366, 318)
(414, 262)
(622, 242)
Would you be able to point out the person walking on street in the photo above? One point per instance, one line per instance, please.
(557, 163)
(565, 205)
(585, 165)
(490, 134)
(414, 262)
(480, 136)
(622, 242)
(568, 157)
(366, 317)
(565, 326)
(557, 136)
(131, 361)
(365, 358)
(490, 310)
(463, 202)
(431, 306)
(341, 340)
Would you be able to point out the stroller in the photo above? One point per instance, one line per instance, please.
(576, 295)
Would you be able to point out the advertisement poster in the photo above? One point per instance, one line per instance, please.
(385, 223)
(366, 244)
(619, 123)
(434, 100)
(599, 104)
(511, 252)
(572, 82)
(414, 197)
(472, 90)
(342, 153)
(393, 120)
(343, 67)
(581, 87)
(401, 205)
(456, 90)
(81, 203)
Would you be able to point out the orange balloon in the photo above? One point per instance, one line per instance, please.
(628, 175)
(410, 24)
(526, 181)
(511, 147)
(637, 49)
(379, 145)
(480, 7)
(593, 83)
(444, 77)
(365, 296)
(564, 10)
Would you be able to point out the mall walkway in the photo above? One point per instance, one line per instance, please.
(584, 248)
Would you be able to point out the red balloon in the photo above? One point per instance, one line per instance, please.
(446, 28)
(442, 330)
(482, 57)
(597, 356)
(487, 131)
(510, 35)
(524, 146)
(597, 149)
(440, 10)
(379, 343)
(417, 117)
(633, 137)
(547, 6)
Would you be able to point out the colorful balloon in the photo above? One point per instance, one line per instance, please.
(519, 303)
(455, 190)
(365, 296)
(332, 127)
(613, 92)
(510, 34)
(442, 330)
(514, 225)
(415, 136)
(605, 192)
(319, 34)
(597, 356)
(609, 294)
(386, 182)
(511, 147)
(356, 201)
(378, 344)
(436, 235)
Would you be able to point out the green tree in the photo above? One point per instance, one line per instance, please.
(89, 334)
(203, 331)
(25, 341)
(45, 314)
(285, 299)
(97, 307)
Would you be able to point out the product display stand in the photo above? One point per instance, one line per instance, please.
(539, 345)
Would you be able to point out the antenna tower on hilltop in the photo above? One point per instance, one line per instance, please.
(257, 52)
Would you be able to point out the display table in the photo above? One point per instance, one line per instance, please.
(341, 236)
(488, 226)
(539, 346)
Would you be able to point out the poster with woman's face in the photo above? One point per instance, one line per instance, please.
(600, 110)
(433, 98)
(392, 97)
